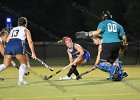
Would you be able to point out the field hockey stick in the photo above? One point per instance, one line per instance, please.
(47, 78)
(39, 60)
(86, 72)
(26, 73)
(1, 79)
(14, 64)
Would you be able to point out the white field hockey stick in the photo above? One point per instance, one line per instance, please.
(39, 60)
(47, 78)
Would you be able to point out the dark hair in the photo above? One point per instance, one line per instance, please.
(22, 21)
(3, 32)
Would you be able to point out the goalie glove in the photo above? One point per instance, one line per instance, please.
(123, 49)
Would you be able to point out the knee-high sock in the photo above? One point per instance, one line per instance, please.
(2, 67)
(70, 72)
(75, 70)
(22, 69)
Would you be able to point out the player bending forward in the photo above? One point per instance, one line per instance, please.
(116, 73)
(15, 47)
(77, 55)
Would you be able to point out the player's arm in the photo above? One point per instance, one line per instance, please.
(30, 42)
(124, 38)
(122, 34)
(97, 32)
(100, 28)
(70, 57)
(80, 50)
(98, 56)
(1, 49)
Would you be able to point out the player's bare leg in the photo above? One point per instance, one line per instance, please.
(5, 64)
(27, 61)
(22, 60)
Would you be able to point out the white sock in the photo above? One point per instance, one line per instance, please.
(28, 64)
(2, 67)
(22, 69)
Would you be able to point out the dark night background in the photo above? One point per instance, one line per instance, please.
(50, 20)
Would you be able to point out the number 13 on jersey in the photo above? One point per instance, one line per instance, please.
(15, 33)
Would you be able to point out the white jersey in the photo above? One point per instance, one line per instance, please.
(18, 33)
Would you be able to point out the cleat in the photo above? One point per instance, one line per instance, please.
(74, 77)
(1, 79)
(27, 73)
(125, 74)
(65, 78)
(78, 77)
(22, 83)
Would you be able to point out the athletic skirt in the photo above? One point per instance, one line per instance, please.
(85, 56)
(14, 46)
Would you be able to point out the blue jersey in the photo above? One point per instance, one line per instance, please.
(75, 53)
(111, 31)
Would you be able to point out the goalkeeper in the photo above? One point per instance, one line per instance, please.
(116, 72)
(110, 32)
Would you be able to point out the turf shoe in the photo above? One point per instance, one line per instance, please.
(1, 78)
(78, 77)
(22, 83)
(65, 78)
(125, 74)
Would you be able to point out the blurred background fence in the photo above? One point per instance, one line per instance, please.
(56, 54)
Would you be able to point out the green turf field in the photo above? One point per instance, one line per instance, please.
(93, 86)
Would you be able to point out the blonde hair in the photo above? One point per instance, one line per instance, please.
(62, 41)
(3, 32)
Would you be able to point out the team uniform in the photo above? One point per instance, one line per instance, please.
(15, 47)
(111, 33)
(15, 44)
(75, 53)
(76, 57)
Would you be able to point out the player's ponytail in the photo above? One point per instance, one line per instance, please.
(22, 21)
(3, 33)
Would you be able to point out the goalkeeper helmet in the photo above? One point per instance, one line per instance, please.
(106, 15)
